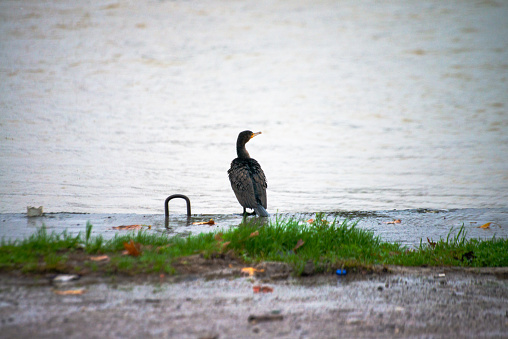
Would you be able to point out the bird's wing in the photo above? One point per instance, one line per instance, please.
(241, 182)
(259, 181)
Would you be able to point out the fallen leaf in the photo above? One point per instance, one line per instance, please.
(70, 292)
(132, 248)
(254, 234)
(99, 258)
(398, 221)
(131, 227)
(299, 244)
(431, 243)
(485, 226)
(218, 237)
(251, 270)
(210, 222)
(224, 245)
(262, 289)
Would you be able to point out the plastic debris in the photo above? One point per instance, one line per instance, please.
(341, 272)
(34, 211)
(63, 278)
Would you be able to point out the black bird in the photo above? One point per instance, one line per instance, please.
(247, 178)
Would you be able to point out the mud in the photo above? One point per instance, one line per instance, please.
(220, 303)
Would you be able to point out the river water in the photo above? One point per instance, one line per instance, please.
(109, 107)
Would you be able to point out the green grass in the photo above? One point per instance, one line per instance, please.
(325, 244)
(328, 245)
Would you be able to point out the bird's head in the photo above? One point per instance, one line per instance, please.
(245, 136)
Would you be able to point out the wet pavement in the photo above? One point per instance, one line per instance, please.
(430, 303)
(414, 226)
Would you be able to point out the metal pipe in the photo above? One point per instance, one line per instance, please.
(166, 203)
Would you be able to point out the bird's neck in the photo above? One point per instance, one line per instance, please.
(241, 151)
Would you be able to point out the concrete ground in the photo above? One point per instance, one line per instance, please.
(406, 303)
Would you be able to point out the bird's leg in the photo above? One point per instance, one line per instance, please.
(245, 213)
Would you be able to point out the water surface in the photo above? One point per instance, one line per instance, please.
(109, 107)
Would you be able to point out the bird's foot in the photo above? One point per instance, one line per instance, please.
(246, 214)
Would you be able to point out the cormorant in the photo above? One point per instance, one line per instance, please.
(247, 178)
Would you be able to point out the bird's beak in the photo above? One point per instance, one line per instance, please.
(254, 134)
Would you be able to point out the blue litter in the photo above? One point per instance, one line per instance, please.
(341, 272)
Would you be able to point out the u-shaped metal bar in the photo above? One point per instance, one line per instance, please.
(166, 203)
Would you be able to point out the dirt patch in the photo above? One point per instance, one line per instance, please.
(226, 265)
(218, 266)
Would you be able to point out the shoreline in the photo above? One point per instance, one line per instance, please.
(415, 224)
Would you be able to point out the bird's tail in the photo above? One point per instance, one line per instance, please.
(260, 211)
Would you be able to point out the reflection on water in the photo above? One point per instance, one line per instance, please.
(371, 106)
